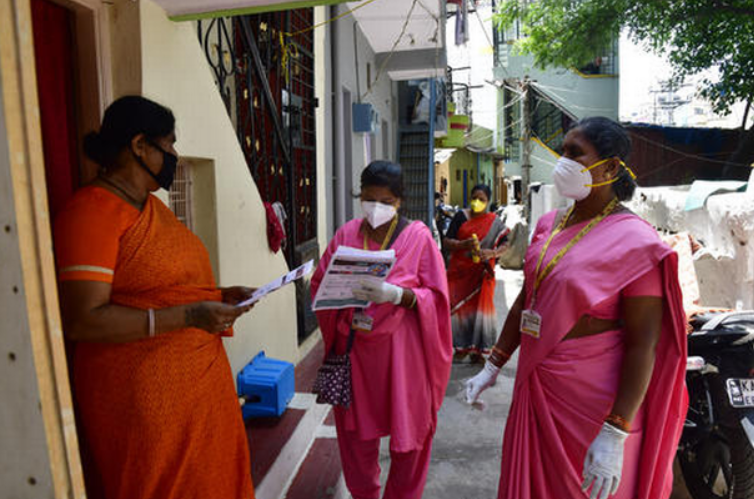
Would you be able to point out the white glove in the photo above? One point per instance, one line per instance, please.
(483, 380)
(604, 462)
(378, 292)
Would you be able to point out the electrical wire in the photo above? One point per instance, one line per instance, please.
(564, 102)
(328, 21)
(486, 35)
(688, 155)
(392, 49)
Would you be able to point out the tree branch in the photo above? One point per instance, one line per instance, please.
(746, 113)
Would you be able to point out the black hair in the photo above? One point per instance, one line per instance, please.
(383, 173)
(611, 140)
(485, 189)
(124, 119)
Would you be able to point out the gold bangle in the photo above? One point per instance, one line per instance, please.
(413, 300)
(619, 422)
(496, 360)
(505, 355)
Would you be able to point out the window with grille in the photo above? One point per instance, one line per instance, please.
(180, 195)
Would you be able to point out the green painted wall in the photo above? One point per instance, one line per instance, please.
(462, 161)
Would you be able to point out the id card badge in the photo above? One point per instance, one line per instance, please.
(531, 323)
(362, 321)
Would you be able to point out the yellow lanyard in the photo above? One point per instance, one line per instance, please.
(548, 269)
(388, 236)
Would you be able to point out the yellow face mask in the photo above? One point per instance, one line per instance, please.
(477, 206)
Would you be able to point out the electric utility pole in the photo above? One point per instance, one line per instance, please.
(526, 143)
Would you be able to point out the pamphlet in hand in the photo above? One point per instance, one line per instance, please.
(348, 268)
(278, 283)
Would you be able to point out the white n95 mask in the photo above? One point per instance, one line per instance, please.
(572, 179)
(376, 213)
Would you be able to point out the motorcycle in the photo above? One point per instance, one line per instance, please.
(716, 451)
(444, 214)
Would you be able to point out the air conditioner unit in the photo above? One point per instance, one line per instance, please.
(366, 119)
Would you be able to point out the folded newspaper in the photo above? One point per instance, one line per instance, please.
(348, 268)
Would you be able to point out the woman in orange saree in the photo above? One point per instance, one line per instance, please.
(475, 238)
(154, 392)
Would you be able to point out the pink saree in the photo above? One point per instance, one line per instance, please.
(565, 389)
(401, 368)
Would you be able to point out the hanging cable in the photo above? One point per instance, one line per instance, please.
(688, 155)
(392, 49)
(328, 21)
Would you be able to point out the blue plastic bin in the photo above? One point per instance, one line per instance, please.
(267, 385)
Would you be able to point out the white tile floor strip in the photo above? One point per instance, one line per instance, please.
(278, 480)
(302, 401)
(326, 431)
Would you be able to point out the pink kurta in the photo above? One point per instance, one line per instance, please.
(565, 389)
(401, 368)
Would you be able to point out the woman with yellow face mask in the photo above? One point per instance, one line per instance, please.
(475, 239)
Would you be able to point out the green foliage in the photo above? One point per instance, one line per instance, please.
(695, 35)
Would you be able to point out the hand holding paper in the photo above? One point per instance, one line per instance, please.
(259, 293)
(237, 294)
(378, 292)
(347, 275)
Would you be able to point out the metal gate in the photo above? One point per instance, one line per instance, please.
(264, 68)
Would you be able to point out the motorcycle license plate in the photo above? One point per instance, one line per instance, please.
(741, 392)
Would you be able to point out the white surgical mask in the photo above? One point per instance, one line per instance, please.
(572, 179)
(377, 213)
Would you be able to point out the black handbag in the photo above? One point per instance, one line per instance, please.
(333, 382)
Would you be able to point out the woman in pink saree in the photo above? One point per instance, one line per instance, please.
(401, 360)
(599, 400)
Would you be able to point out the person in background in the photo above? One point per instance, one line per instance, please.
(599, 401)
(475, 239)
(153, 387)
(402, 350)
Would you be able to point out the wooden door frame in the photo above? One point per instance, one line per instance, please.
(93, 78)
(27, 171)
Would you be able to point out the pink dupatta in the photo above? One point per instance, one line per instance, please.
(401, 368)
(564, 389)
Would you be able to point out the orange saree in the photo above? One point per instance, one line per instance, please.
(160, 416)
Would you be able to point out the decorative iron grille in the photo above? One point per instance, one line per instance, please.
(264, 69)
(266, 79)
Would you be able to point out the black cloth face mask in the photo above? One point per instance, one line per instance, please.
(166, 176)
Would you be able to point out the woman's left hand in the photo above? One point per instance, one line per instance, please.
(382, 292)
(236, 294)
(604, 462)
(487, 254)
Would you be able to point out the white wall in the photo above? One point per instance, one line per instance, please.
(381, 97)
(176, 74)
(323, 89)
(725, 268)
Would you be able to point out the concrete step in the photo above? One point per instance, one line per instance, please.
(296, 455)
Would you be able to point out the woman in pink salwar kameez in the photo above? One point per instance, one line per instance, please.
(599, 400)
(400, 368)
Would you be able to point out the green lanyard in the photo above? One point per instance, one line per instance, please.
(550, 266)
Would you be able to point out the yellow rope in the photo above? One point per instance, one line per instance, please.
(290, 50)
(323, 23)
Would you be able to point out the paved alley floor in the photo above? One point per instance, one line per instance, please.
(468, 443)
(297, 455)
